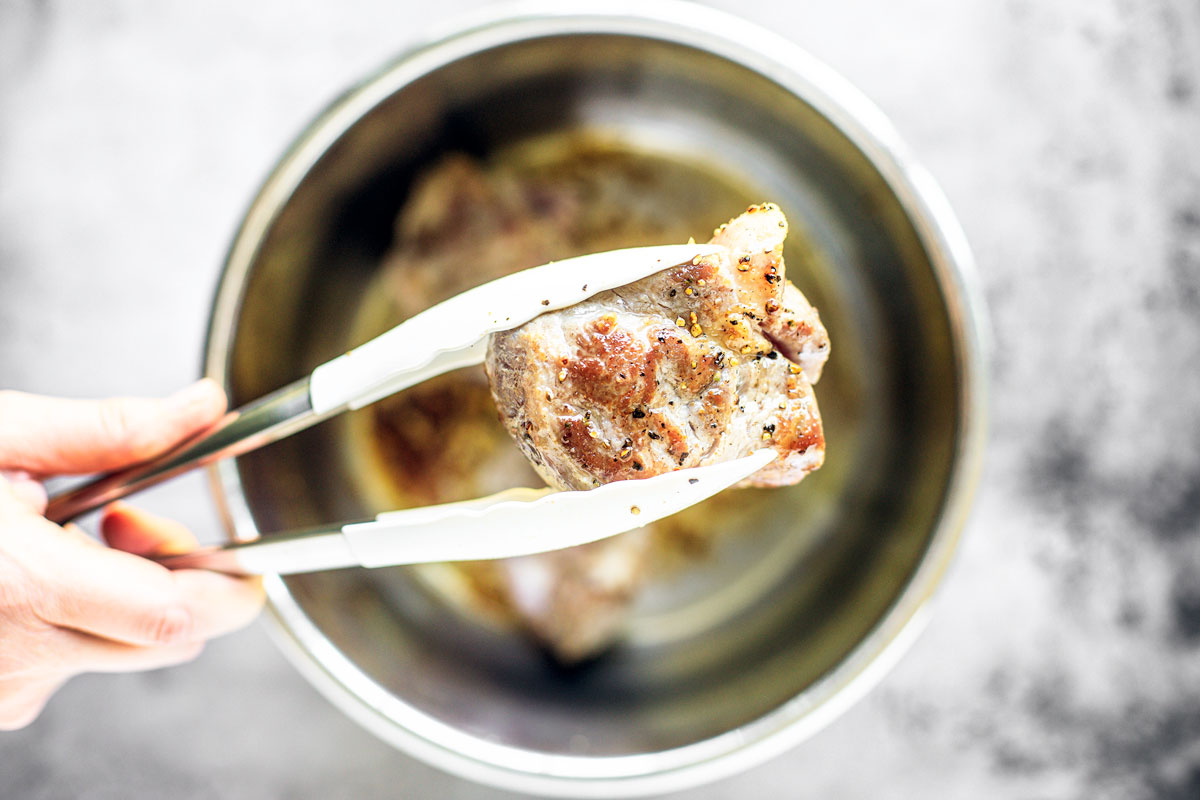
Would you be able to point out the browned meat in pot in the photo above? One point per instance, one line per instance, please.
(697, 364)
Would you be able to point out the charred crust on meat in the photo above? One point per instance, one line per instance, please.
(659, 398)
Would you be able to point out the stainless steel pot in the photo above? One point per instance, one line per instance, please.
(790, 627)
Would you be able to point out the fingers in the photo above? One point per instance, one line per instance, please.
(120, 596)
(22, 699)
(218, 603)
(64, 653)
(68, 604)
(109, 593)
(134, 531)
(48, 435)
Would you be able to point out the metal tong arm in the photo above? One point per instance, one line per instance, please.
(272, 417)
(268, 419)
(515, 522)
(447, 336)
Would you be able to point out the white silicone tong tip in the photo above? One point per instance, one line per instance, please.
(453, 334)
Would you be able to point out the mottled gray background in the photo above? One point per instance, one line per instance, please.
(1063, 660)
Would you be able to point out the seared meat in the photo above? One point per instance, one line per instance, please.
(694, 365)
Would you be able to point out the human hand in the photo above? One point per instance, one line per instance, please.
(68, 604)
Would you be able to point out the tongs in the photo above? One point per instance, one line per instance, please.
(445, 337)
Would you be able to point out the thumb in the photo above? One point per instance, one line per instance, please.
(50, 435)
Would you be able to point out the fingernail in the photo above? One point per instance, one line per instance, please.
(203, 394)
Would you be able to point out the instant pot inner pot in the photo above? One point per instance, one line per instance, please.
(889, 395)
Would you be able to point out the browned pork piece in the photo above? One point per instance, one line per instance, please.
(698, 364)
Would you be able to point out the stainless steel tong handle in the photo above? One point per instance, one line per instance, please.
(272, 417)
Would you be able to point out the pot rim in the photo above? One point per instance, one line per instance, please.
(928, 210)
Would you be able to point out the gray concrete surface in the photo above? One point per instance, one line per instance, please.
(1063, 660)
